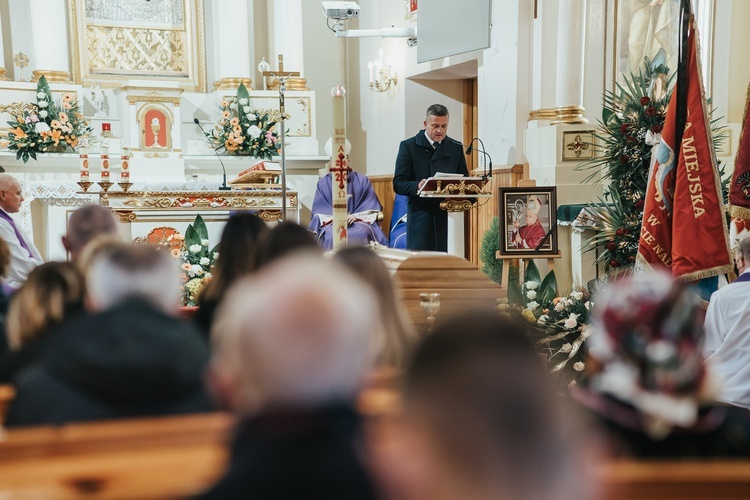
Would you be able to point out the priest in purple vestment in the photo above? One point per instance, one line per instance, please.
(363, 208)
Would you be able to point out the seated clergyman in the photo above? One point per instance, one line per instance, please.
(363, 208)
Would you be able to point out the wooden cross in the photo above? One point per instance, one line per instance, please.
(341, 167)
(280, 73)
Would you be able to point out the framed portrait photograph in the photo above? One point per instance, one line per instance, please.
(528, 221)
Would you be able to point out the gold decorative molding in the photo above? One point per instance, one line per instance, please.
(232, 83)
(16, 108)
(461, 188)
(269, 215)
(3, 75)
(569, 115)
(160, 99)
(106, 52)
(127, 217)
(204, 200)
(542, 114)
(52, 76)
(156, 155)
(292, 83)
(577, 145)
(455, 205)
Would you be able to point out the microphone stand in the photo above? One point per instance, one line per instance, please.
(224, 186)
(485, 153)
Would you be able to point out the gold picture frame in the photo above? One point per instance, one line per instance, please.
(93, 60)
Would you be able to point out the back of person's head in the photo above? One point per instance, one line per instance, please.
(85, 224)
(237, 249)
(52, 293)
(392, 347)
(481, 416)
(121, 271)
(284, 239)
(295, 334)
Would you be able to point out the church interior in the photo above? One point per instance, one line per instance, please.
(181, 117)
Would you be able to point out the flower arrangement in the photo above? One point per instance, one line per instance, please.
(561, 323)
(242, 130)
(197, 260)
(47, 126)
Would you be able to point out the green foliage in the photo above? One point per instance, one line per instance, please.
(491, 266)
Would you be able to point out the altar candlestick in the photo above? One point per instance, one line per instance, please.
(84, 156)
(105, 163)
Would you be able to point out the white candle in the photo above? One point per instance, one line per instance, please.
(125, 165)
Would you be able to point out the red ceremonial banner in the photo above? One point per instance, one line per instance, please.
(684, 228)
(739, 189)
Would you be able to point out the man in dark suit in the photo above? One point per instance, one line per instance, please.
(420, 157)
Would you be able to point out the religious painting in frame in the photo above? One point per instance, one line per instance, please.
(117, 40)
(528, 221)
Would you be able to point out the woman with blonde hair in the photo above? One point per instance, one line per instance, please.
(393, 347)
(52, 294)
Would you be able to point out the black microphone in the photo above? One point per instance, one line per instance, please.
(485, 153)
(224, 186)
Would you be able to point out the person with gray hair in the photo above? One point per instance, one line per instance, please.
(84, 225)
(290, 353)
(131, 357)
(24, 256)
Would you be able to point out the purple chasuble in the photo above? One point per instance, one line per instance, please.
(21, 239)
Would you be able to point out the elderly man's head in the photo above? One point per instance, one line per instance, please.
(84, 225)
(294, 335)
(742, 255)
(10, 193)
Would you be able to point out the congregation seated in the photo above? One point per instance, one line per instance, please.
(130, 356)
(362, 206)
(653, 394)
(237, 249)
(393, 345)
(479, 420)
(290, 351)
(50, 297)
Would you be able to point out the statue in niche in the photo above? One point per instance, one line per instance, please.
(97, 97)
(652, 33)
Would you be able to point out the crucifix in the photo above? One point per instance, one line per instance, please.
(282, 76)
(340, 170)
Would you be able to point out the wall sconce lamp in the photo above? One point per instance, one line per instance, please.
(381, 79)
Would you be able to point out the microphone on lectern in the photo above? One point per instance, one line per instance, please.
(485, 153)
(224, 186)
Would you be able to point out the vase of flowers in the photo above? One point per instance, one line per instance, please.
(47, 126)
(197, 261)
(243, 130)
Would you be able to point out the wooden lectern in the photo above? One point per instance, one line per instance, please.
(458, 194)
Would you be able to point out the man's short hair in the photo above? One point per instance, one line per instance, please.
(437, 110)
(481, 391)
(296, 334)
(744, 248)
(87, 223)
(122, 271)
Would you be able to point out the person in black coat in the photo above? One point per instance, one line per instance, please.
(420, 157)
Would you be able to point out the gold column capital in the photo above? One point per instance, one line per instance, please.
(56, 76)
(569, 115)
(232, 83)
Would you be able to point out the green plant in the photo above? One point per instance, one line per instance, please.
(491, 265)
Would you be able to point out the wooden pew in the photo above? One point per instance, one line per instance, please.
(163, 457)
(672, 480)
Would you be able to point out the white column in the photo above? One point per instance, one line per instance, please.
(571, 28)
(49, 34)
(232, 43)
(285, 38)
(2, 59)
(456, 234)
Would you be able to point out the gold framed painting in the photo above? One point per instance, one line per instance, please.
(117, 40)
